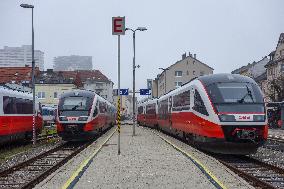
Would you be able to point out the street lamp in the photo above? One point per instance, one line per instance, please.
(133, 31)
(165, 70)
(33, 69)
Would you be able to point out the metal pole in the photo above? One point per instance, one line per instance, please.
(134, 117)
(33, 79)
(119, 90)
(165, 81)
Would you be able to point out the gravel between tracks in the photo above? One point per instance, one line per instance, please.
(30, 153)
(146, 161)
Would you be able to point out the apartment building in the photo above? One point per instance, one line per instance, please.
(92, 80)
(275, 68)
(21, 57)
(72, 63)
(179, 73)
(254, 69)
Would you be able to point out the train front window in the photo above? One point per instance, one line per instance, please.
(74, 106)
(236, 97)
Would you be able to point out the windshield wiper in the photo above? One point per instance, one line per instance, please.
(75, 107)
(247, 94)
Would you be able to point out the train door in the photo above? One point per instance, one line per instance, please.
(5, 128)
(95, 114)
(169, 114)
(199, 107)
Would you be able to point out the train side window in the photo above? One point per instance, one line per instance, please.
(199, 104)
(181, 101)
(140, 110)
(150, 109)
(95, 111)
(102, 107)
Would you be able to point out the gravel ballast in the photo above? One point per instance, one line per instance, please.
(146, 161)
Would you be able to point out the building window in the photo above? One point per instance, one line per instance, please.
(178, 84)
(55, 95)
(41, 94)
(193, 72)
(202, 73)
(178, 73)
(282, 67)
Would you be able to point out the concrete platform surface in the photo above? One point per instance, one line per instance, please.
(146, 161)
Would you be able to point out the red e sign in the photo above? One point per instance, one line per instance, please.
(118, 25)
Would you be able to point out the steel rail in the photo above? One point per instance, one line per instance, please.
(258, 173)
(27, 174)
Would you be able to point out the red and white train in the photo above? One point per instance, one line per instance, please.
(81, 115)
(222, 113)
(16, 115)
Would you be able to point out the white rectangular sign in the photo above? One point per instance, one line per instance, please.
(118, 25)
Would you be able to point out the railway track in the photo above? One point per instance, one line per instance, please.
(32, 171)
(274, 143)
(257, 173)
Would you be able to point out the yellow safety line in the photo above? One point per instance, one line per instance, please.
(84, 163)
(196, 160)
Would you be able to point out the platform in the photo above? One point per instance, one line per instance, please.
(146, 161)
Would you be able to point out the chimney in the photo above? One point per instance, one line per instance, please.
(49, 71)
(189, 54)
(194, 56)
(183, 56)
(26, 65)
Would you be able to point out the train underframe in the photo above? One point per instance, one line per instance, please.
(237, 139)
(78, 132)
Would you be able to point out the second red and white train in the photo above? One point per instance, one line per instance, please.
(82, 115)
(222, 113)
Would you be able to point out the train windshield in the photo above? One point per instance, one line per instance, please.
(236, 97)
(74, 106)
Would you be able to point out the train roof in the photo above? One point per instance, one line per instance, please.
(224, 78)
(78, 93)
(9, 92)
(85, 93)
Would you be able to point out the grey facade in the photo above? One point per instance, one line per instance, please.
(102, 88)
(254, 69)
(20, 57)
(72, 63)
(179, 73)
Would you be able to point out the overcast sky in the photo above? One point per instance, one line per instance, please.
(224, 34)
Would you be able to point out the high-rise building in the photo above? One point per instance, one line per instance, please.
(20, 57)
(72, 63)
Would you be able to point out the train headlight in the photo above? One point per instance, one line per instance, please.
(83, 118)
(227, 117)
(63, 118)
(258, 117)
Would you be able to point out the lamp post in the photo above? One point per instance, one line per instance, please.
(134, 66)
(165, 70)
(33, 69)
